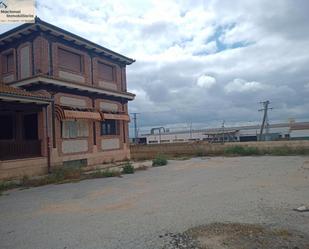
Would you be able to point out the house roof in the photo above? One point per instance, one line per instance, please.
(9, 93)
(39, 24)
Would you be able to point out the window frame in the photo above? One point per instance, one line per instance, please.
(67, 68)
(5, 66)
(116, 129)
(75, 122)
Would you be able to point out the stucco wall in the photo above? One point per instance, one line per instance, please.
(110, 144)
(74, 146)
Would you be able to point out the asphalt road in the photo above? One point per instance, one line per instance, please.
(136, 210)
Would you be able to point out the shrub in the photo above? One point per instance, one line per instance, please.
(159, 160)
(128, 168)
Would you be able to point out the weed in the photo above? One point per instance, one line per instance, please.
(6, 186)
(104, 173)
(159, 160)
(60, 174)
(128, 168)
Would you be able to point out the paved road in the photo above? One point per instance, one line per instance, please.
(133, 211)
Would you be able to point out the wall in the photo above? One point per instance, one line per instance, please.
(38, 54)
(194, 148)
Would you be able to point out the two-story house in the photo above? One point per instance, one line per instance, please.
(77, 101)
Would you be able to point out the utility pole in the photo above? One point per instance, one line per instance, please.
(265, 117)
(135, 126)
(223, 137)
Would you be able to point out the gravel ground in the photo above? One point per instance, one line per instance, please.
(153, 208)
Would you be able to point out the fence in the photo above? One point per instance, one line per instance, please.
(140, 152)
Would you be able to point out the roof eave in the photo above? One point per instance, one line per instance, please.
(47, 26)
(71, 85)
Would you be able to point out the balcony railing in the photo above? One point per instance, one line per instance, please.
(19, 149)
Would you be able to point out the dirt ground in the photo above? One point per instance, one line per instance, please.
(213, 203)
(238, 236)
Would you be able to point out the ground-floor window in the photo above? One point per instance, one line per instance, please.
(109, 127)
(75, 128)
(6, 127)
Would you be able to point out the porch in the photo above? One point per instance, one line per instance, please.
(22, 124)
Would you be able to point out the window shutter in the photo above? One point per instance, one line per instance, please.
(106, 72)
(70, 60)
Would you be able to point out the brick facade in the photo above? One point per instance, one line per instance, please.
(36, 54)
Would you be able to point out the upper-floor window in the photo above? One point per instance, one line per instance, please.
(70, 60)
(109, 127)
(106, 72)
(8, 63)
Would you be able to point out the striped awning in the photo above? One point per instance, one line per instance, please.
(123, 117)
(69, 114)
(63, 114)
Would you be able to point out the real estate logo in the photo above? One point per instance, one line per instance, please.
(3, 5)
(12, 11)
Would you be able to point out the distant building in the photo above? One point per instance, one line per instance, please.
(280, 131)
(63, 101)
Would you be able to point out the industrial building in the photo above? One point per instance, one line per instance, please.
(280, 131)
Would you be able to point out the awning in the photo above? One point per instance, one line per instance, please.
(112, 116)
(72, 114)
(62, 114)
(68, 114)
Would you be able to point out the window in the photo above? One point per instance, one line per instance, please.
(30, 125)
(75, 128)
(109, 127)
(70, 61)
(6, 127)
(8, 63)
(106, 72)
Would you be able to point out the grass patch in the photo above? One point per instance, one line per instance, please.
(128, 168)
(281, 151)
(159, 160)
(58, 176)
(240, 150)
(6, 186)
(200, 153)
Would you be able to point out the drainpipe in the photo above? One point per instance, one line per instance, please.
(47, 139)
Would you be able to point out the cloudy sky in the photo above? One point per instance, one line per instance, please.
(201, 62)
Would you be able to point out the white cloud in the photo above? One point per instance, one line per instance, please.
(206, 81)
(254, 49)
(240, 85)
